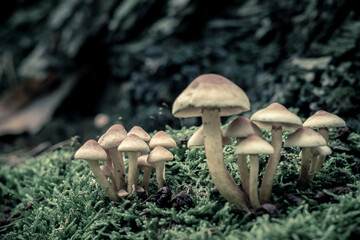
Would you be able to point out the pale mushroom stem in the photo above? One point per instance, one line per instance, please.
(160, 166)
(303, 180)
(254, 173)
(146, 178)
(244, 173)
(119, 168)
(243, 169)
(324, 132)
(103, 182)
(215, 160)
(132, 170)
(270, 171)
(108, 161)
(111, 176)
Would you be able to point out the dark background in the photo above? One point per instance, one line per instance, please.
(129, 59)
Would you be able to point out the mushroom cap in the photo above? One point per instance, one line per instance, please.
(142, 161)
(123, 193)
(210, 91)
(133, 143)
(113, 136)
(276, 113)
(305, 137)
(323, 119)
(159, 154)
(197, 139)
(241, 127)
(92, 151)
(161, 138)
(321, 150)
(253, 144)
(140, 133)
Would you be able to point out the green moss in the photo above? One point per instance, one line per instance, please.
(74, 206)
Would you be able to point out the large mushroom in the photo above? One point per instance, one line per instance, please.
(323, 120)
(277, 118)
(93, 153)
(241, 127)
(110, 141)
(254, 145)
(211, 96)
(133, 145)
(306, 138)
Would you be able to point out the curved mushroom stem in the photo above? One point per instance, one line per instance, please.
(253, 188)
(119, 168)
(103, 182)
(132, 171)
(303, 180)
(108, 161)
(146, 178)
(324, 132)
(215, 161)
(270, 171)
(109, 174)
(160, 166)
(244, 173)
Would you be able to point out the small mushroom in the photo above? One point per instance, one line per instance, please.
(133, 145)
(158, 156)
(277, 118)
(306, 138)
(109, 174)
(254, 145)
(140, 132)
(317, 151)
(163, 139)
(147, 167)
(92, 152)
(110, 141)
(197, 139)
(211, 96)
(241, 127)
(323, 120)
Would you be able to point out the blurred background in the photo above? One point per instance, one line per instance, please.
(74, 67)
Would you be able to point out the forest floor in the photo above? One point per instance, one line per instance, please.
(53, 196)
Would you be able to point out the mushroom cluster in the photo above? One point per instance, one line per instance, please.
(111, 149)
(212, 96)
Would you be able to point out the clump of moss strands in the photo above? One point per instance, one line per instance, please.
(56, 197)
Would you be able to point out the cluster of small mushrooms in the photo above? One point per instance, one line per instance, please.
(211, 96)
(111, 148)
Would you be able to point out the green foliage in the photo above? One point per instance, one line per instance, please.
(74, 206)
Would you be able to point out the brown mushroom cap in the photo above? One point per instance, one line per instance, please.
(210, 91)
(140, 133)
(160, 154)
(253, 144)
(241, 127)
(133, 143)
(197, 139)
(323, 119)
(92, 151)
(142, 161)
(276, 113)
(305, 137)
(113, 136)
(161, 138)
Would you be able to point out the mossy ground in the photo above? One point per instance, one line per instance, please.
(56, 197)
